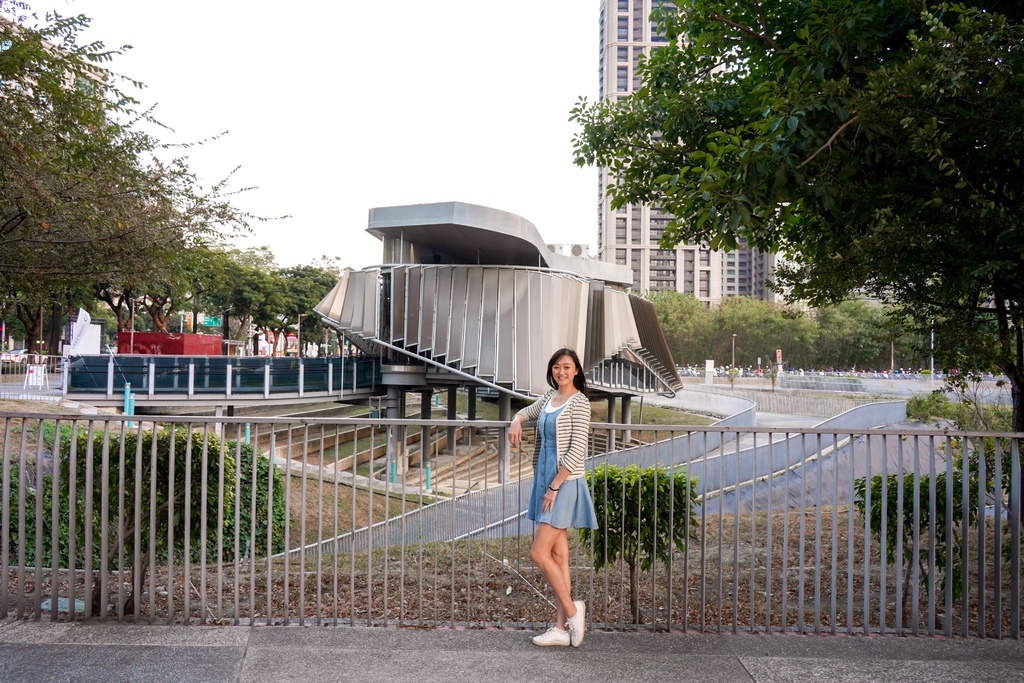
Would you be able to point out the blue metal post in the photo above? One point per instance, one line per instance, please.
(129, 402)
(428, 475)
(247, 432)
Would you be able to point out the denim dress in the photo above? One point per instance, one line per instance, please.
(573, 505)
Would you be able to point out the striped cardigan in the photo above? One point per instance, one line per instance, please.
(572, 431)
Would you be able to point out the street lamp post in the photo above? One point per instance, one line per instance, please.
(733, 366)
(301, 315)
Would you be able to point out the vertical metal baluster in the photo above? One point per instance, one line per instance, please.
(670, 470)
(287, 557)
(135, 517)
(37, 592)
(301, 547)
(399, 436)
(5, 516)
(768, 546)
(915, 592)
(803, 533)
(22, 519)
(72, 521)
(237, 504)
(688, 533)
(817, 543)
(171, 509)
(736, 541)
(965, 545)
(454, 535)
(335, 549)
(401, 520)
(786, 507)
(867, 535)
(152, 523)
(268, 581)
(948, 609)
(319, 528)
(369, 529)
(187, 569)
(833, 614)
(721, 522)
(254, 521)
(90, 498)
(221, 492)
(849, 536)
(654, 565)
(55, 458)
(1014, 519)
(997, 538)
(121, 514)
(352, 528)
(932, 484)
(753, 530)
(900, 560)
(982, 545)
(203, 522)
(105, 522)
(883, 539)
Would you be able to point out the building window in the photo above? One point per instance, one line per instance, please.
(623, 32)
(623, 54)
(620, 235)
(622, 79)
(623, 5)
(620, 257)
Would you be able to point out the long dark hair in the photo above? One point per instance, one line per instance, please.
(578, 381)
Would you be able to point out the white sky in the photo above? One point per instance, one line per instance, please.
(335, 108)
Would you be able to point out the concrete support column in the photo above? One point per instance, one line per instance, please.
(627, 417)
(504, 415)
(470, 409)
(453, 396)
(611, 418)
(425, 398)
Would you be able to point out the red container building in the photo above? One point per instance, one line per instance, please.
(169, 344)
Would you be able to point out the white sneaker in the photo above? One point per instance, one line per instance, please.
(577, 625)
(553, 636)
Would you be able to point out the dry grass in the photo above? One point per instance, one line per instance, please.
(717, 585)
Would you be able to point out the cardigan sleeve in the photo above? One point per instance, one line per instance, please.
(579, 434)
(531, 412)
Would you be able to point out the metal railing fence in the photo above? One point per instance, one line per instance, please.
(191, 520)
(32, 377)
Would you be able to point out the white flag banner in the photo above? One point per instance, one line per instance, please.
(78, 331)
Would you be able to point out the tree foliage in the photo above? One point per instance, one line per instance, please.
(641, 514)
(88, 197)
(878, 145)
(850, 335)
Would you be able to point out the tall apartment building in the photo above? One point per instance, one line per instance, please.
(629, 236)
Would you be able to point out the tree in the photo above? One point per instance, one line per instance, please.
(641, 515)
(88, 198)
(878, 145)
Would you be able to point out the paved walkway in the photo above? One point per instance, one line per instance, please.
(69, 653)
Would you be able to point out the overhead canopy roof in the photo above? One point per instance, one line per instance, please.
(460, 233)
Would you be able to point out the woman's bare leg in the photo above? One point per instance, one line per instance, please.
(550, 552)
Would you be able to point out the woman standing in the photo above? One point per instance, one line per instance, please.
(560, 497)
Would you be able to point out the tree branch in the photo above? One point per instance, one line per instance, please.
(854, 118)
(751, 32)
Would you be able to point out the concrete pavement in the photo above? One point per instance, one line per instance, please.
(69, 653)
